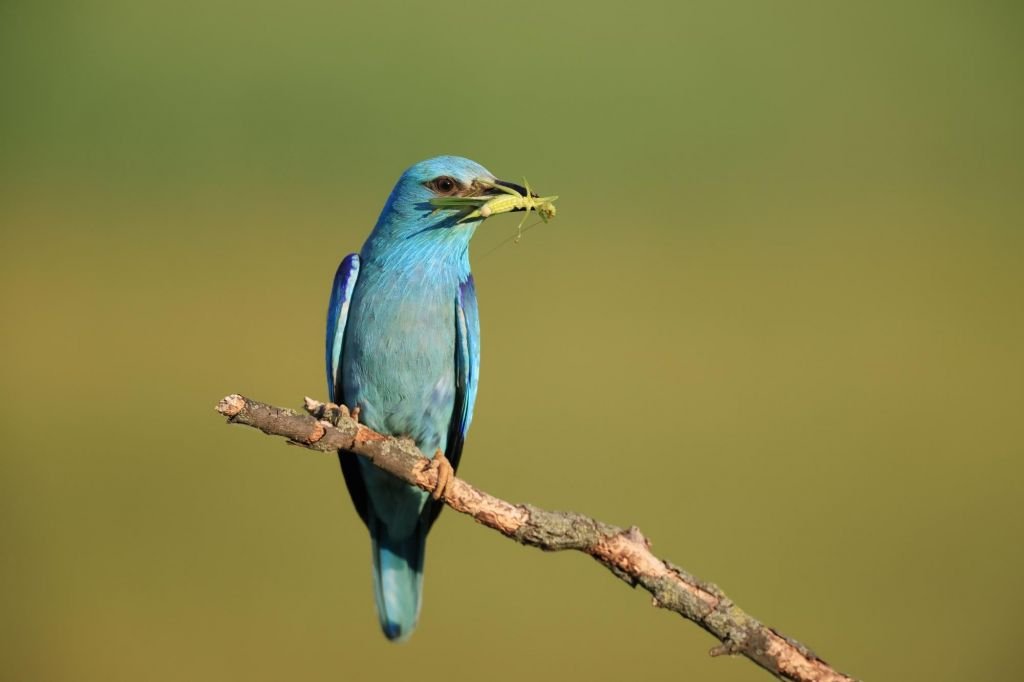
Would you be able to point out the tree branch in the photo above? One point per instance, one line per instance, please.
(626, 552)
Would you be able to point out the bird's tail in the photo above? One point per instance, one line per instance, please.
(398, 579)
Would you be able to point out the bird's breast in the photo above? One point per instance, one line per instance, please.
(398, 361)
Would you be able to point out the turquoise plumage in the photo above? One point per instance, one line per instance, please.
(403, 346)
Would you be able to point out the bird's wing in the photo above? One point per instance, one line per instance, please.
(337, 316)
(467, 372)
(467, 367)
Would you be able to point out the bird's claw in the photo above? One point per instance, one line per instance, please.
(445, 475)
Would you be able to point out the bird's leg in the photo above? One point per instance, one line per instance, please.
(445, 474)
(354, 413)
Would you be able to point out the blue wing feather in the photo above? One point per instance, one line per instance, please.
(467, 375)
(467, 366)
(337, 316)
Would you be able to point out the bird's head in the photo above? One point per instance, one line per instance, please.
(409, 220)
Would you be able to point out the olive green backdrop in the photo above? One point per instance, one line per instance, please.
(777, 324)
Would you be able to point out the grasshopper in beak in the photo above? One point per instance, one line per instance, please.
(509, 198)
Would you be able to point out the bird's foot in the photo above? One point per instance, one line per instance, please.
(445, 474)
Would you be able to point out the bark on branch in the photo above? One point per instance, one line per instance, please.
(626, 552)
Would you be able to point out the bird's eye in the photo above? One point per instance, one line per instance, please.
(443, 185)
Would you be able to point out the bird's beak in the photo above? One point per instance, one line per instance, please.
(510, 185)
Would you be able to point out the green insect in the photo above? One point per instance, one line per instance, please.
(509, 200)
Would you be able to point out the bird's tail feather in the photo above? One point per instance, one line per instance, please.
(398, 580)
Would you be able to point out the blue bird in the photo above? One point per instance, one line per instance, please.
(403, 347)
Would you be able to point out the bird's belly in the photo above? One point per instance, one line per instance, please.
(399, 368)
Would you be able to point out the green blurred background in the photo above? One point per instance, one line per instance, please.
(777, 324)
